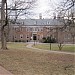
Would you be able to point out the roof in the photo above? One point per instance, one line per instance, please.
(41, 22)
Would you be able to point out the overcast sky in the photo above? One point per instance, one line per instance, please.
(45, 7)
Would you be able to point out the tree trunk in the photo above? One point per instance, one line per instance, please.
(3, 24)
(73, 39)
(60, 45)
(3, 40)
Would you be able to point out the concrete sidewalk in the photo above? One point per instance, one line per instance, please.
(4, 71)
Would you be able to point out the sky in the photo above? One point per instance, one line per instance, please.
(45, 7)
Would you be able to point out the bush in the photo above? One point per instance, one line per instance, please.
(48, 40)
(20, 41)
(16, 40)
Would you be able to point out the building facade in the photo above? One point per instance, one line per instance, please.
(25, 30)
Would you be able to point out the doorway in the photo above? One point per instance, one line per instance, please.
(34, 37)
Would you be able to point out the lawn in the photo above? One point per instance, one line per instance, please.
(68, 48)
(15, 45)
(23, 61)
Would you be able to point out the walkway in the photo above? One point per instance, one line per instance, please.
(37, 49)
(4, 71)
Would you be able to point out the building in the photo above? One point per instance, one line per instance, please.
(26, 29)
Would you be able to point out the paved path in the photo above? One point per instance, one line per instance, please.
(4, 71)
(37, 49)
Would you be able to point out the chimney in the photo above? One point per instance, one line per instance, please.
(54, 15)
(40, 16)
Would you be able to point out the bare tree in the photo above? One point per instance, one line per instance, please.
(67, 16)
(19, 10)
(60, 46)
(4, 23)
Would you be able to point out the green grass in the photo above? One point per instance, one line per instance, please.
(68, 48)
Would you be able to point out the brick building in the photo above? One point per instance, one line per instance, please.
(25, 29)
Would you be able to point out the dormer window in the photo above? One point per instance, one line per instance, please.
(35, 22)
(47, 23)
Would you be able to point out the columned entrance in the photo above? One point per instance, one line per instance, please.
(34, 36)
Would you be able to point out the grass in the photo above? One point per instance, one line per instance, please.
(23, 61)
(15, 45)
(68, 48)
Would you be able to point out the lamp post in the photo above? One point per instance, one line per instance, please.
(50, 42)
(50, 37)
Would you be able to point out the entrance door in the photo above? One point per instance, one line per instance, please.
(34, 37)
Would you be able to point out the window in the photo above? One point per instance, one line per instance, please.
(31, 29)
(15, 29)
(69, 36)
(27, 29)
(35, 29)
(66, 36)
(54, 30)
(48, 28)
(21, 35)
(38, 29)
(41, 29)
(27, 36)
(35, 22)
(47, 23)
(21, 29)
(15, 36)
